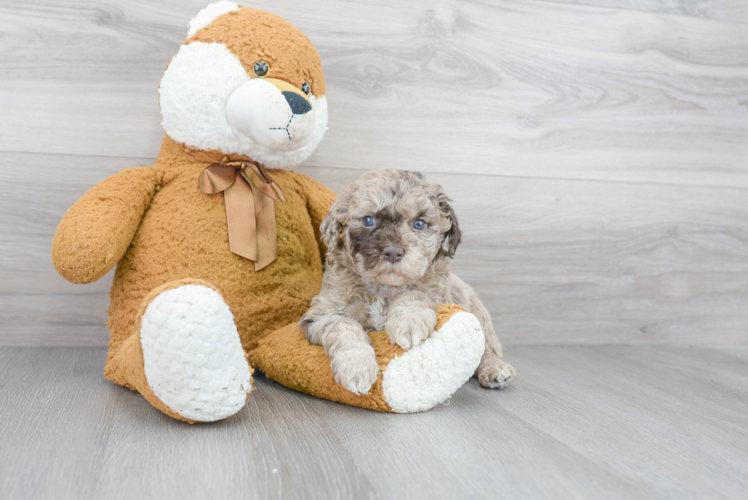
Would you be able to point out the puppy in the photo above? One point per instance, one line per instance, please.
(390, 237)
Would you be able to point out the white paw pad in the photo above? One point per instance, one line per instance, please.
(433, 370)
(194, 360)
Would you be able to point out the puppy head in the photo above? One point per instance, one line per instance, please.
(391, 225)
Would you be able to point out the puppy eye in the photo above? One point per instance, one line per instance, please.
(368, 221)
(261, 68)
(419, 224)
(306, 88)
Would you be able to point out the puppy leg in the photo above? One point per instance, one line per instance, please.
(410, 319)
(354, 363)
(493, 372)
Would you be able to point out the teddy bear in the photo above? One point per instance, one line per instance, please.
(217, 245)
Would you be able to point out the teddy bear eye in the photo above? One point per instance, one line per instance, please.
(261, 68)
(419, 224)
(368, 221)
(306, 88)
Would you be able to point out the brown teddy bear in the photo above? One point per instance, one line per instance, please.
(217, 245)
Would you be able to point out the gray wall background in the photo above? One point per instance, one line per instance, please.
(597, 151)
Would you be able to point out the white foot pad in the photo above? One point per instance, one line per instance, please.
(432, 371)
(194, 360)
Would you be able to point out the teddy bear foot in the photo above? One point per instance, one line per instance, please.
(432, 371)
(409, 381)
(187, 359)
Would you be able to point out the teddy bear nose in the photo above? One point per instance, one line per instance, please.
(298, 104)
(393, 254)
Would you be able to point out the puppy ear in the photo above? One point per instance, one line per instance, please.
(330, 228)
(454, 235)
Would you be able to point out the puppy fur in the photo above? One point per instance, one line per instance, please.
(364, 290)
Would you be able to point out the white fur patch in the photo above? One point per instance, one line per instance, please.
(377, 313)
(194, 360)
(193, 95)
(433, 370)
(209, 14)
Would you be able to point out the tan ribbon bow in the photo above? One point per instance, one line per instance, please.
(250, 211)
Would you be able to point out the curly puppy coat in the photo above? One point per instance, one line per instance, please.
(390, 238)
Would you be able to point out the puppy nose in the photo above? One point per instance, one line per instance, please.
(298, 104)
(393, 254)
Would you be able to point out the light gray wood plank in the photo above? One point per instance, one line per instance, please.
(560, 261)
(39, 307)
(71, 434)
(734, 11)
(56, 407)
(640, 411)
(579, 422)
(555, 261)
(72, 319)
(527, 88)
(629, 419)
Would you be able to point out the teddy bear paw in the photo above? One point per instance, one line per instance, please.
(192, 354)
(433, 370)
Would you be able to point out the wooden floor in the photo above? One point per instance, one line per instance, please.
(580, 422)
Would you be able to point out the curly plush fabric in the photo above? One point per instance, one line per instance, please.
(205, 339)
(409, 381)
(160, 227)
(253, 35)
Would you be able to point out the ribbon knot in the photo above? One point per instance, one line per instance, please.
(249, 193)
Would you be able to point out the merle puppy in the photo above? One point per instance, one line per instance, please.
(390, 237)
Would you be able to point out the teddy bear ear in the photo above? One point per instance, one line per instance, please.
(208, 14)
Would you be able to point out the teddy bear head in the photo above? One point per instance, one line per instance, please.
(245, 82)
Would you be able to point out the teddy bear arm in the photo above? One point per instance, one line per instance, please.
(97, 230)
(319, 199)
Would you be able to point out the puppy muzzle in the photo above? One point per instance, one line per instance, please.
(393, 254)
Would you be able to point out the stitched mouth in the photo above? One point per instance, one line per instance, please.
(285, 128)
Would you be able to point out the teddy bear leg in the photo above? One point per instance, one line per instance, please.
(431, 372)
(185, 356)
(409, 381)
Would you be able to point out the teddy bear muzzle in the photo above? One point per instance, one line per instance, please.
(273, 113)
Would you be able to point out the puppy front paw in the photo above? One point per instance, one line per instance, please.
(494, 373)
(356, 368)
(408, 326)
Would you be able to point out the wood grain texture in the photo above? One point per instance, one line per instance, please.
(38, 306)
(580, 422)
(734, 11)
(555, 261)
(561, 261)
(597, 154)
(526, 88)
